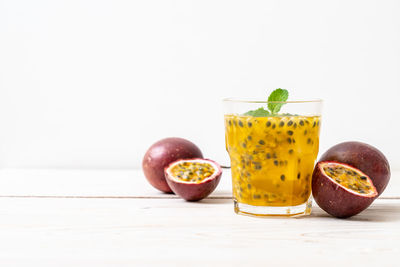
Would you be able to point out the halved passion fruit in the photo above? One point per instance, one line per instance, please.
(342, 190)
(364, 157)
(193, 179)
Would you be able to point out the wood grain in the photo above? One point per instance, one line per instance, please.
(172, 232)
(110, 183)
(113, 218)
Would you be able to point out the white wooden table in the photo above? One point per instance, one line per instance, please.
(115, 218)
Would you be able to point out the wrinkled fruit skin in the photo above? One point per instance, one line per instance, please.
(194, 192)
(364, 157)
(161, 154)
(334, 199)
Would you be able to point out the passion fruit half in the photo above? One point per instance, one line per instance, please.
(342, 190)
(364, 157)
(193, 179)
(161, 154)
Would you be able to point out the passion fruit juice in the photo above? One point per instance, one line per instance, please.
(272, 158)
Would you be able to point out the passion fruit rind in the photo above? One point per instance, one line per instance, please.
(336, 199)
(189, 189)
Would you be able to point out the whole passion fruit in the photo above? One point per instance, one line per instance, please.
(193, 179)
(161, 154)
(364, 157)
(342, 190)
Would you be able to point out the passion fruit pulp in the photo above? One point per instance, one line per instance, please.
(342, 190)
(193, 179)
(161, 154)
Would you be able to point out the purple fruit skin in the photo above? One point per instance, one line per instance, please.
(161, 154)
(335, 200)
(194, 192)
(364, 157)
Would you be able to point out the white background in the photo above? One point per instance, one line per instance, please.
(92, 84)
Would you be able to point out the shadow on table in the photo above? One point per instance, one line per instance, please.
(384, 212)
(378, 212)
(216, 200)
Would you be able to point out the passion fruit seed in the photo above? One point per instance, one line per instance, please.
(348, 178)
(192, 172)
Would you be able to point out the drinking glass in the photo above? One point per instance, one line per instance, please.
(272, 156)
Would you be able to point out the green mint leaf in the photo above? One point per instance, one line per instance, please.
(260, 112)
(279, 95)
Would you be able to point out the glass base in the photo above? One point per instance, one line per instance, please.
(268, 211)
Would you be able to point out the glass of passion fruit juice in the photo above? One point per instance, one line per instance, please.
(272, 155)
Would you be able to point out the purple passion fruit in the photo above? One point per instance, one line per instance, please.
(161, 154)
(364, 157)
(193, 179)
(342, 190)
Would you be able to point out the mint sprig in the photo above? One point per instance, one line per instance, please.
(278, 95)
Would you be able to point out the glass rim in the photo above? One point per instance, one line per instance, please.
(242, 100)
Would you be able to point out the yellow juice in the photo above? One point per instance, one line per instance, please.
(272, 158)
